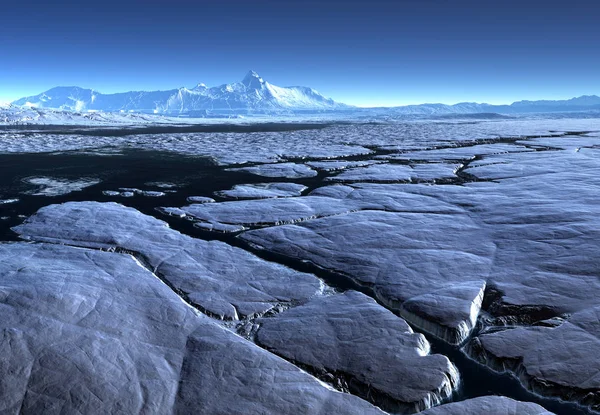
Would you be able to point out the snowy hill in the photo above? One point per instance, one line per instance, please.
(251, 95)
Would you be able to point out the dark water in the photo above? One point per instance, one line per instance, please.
(165, 129)
(196, 176)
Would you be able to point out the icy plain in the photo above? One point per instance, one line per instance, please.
(364, 264)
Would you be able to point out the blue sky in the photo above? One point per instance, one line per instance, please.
(360, 52)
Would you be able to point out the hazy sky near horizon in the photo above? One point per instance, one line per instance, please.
(366, 53)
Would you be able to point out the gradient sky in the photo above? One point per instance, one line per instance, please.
(367, 53)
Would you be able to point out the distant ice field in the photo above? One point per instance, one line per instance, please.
(260, 142)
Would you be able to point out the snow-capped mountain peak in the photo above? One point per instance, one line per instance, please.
(252, 80)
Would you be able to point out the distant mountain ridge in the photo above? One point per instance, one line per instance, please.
(251, 95)
(582, 103)
(254, 95)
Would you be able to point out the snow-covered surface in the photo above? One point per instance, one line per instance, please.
(141, 192)
(270, 211)
(200, 199)
(334, 165)
(163, 185)
(558, 357)
(533, 238)
(500, 222)
(457, 153)
(85, 331)
(397, 173)
(435, 263)
(378, 353)
(324, 201)
(286, 170)
(223, 374)
(128, 192)
(488, 405)
(224, 281)
(566, 143)
(511, 246)
(262, 191)
(338, 140)
(548, 163)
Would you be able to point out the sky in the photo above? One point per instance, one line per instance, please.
(366, 53)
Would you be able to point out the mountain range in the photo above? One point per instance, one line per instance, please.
(254, 95)
(583, 103)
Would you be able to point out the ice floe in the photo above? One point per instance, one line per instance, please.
(334, 165)
(411, 261)
(558, 358)
(506, 166)
(287, 170)
(262, 191)
(397, 173)
(85, 331)
(48, 186)
(8, 201)
(129, 192)
(372, 352)
(163, 185)
(223, 375)
(565, 142)
(457, 153)
(200, 199)
(322, 202)
(260, 212)
(222, 280)
(147, 193)
(488, 405)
